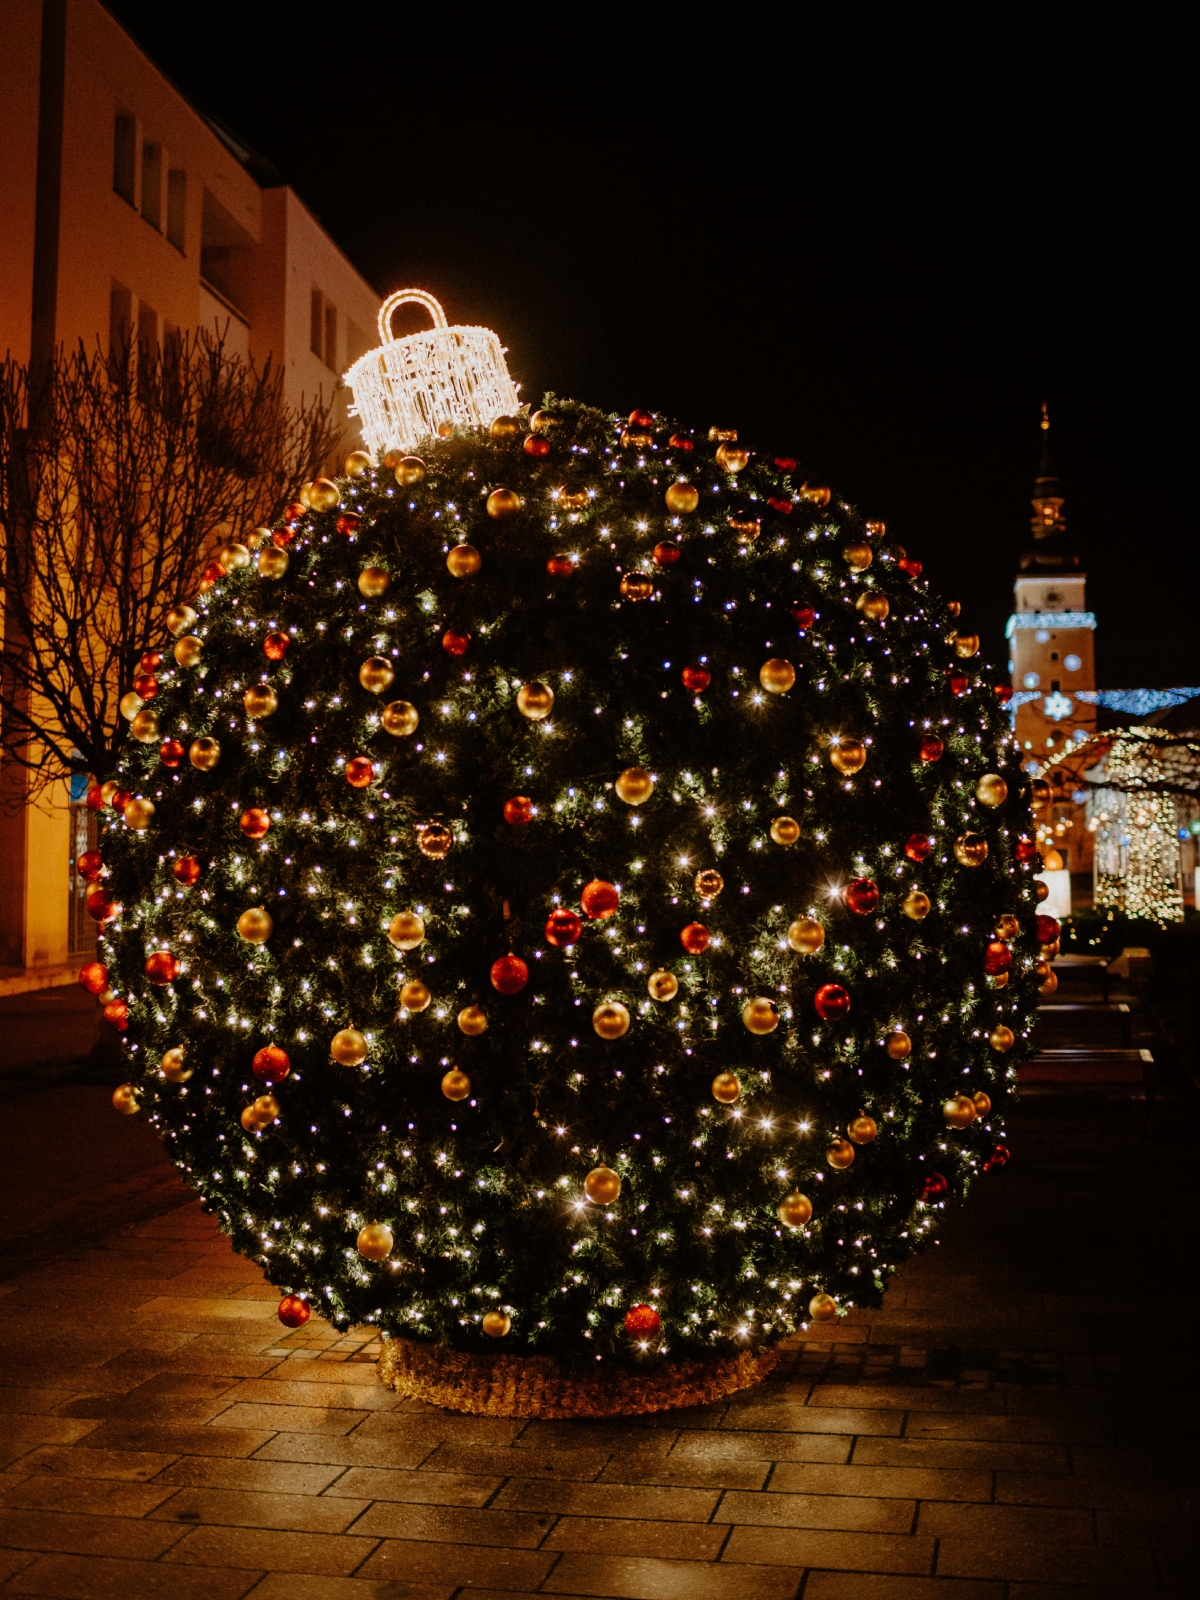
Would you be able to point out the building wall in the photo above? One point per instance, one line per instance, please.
(20, 38)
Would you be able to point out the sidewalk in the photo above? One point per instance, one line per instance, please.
(1013, 1425)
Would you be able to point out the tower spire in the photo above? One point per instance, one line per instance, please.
(1047, 501)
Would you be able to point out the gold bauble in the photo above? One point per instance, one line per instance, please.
(373, 581)
(1050, 982)
(726, 1087)
(777, 675)
(108, 789)
(959, 1111)
(260, 700)
(966, 645)
(785, 830)
(348, 1047)
(472, 1021)
(806, 936)
(138, 814)
(863, 1130)
(130, 704)
(406, 930)
(400, 719)
(504, 428)
(174, 1067)
(708, 883)
(255, 926)
(456, 1085)
(568, 501)
(266, 1109)
(435, 841)
(971, 850)
(249, 1120)
(663, 985)
(323, 494)
(840, 1154)
(1007, 927)
(180, 620)
(410, 470)
(503, 503)
(535, 700)
(463, 561)
(376, 674)
(682, 498)
(1002, 1038)
(204, 753)
(794, 1210)
(272, 562)
(256, 538)
(496, 1324)
(745, 526)
(125, 1100)
(415, 996)
(144, 726)
(636, 586)
(610, 1020)
(732, 457)
(760, 1016)
(873, 605)
(823, 1308)
(356, 463)
(1040, 794)
(991, 790)
(848, 755)
(375, 1241)
(998, 980)
(915, 905)
(898, 1045)
(188, 650)
(602, 1186)
(634, 785)
(858, 557)
(545, 421)
(982, 1103)
(1041, 890)
(232, 556)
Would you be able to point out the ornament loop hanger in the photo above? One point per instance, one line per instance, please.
(403, 297)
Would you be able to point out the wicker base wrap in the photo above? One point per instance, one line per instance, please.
(499, 1385)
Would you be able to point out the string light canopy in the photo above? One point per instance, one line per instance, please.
(441, 378)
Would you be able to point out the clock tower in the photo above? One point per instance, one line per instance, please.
(1050, 632)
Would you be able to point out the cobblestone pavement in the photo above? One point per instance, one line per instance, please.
(1011, 1426)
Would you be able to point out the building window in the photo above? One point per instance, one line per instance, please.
(81, 927)
(330, 337)
(147, 332)
(125, 157)
(316, 325)
(152, 185)
(176, 206)
(120, 327)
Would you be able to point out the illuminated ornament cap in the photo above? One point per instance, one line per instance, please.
(407, 387)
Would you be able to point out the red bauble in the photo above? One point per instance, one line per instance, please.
(934, 1187)
(271, 1064)
(213, 573)
(121, 799)
(1025, 851)
(348, 523)
(1048, 929)
(998, 1160)
(456, 644)
(642, 1319)
(913, 568)
(171, 752)
(186, 871)
(917, 846)
(932, 747)
(641, 419)
(785, 463)
(293, 1311)
(680, 441)
(282, 537)
(832, 1002)
(560, 566)
(162, 967)
(94, 977)
(90, 865)
(100, 907)
(275, 646)
(861, 896)
(150, 662)
(294, 511)
(777, 503)
(360, 772)
(117, 1012)
(666, 554)
(256, 822)
(95, 798)
(958, 682)
(145, 685)
(805, 617)
(696, 679)
(695, 938)
(599, 899)
(997, 958)
(509, 975)
(536, 445)
(519, 810)
(1003, 693)
(563, 927)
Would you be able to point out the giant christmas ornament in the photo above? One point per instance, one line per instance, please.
(571, 966)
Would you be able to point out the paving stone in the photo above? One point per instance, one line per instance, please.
(512, 1463)
(1050, 1561)
(875, 1586)
(729, 1445)
(96, 1578)
(833, 1511)
(84, 1535)
(903, 1483)
(295, 1419)
(287, 1390)
(338, 1450)
(266, 1477)
(331, 1554)
(177, 1441)
(514, 1529)
(624, 1536)
(245, 1508)
(418, 1488)
(609, 1500)
(646, 1578)
(133, 1465)
(962, 1454)
(306, 1586)
(1038, 1524)
(722, 1472)
(855, 1552)
(1075, 1489)
(910, 1397)
(814, 1419)
(473, 1566)
(93, 1496)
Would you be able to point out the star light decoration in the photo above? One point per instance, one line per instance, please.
(639, 979)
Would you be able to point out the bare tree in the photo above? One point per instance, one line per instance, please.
(117, 477)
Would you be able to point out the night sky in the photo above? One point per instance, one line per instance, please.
(878, 249)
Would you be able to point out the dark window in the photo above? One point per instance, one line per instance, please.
(147, 332)
(152, 185)
(316, 333)
(331, 338)
(176, 206)
(125, 157)
(120, 329)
